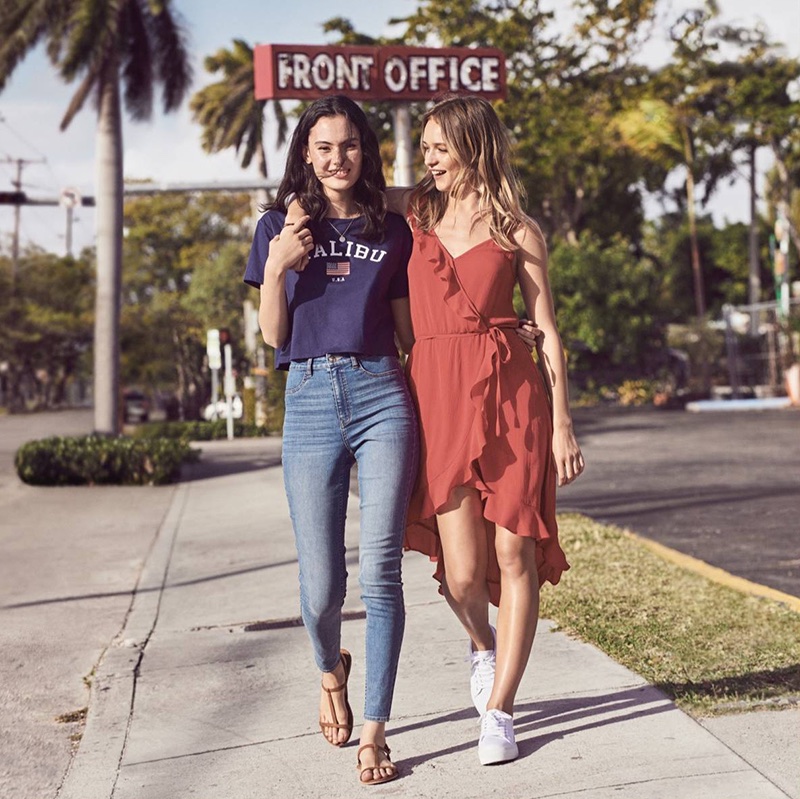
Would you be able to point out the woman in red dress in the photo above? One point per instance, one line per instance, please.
(493, 443)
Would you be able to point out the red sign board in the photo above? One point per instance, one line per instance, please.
(306, 72)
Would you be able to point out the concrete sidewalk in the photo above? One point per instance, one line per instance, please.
(209, 690)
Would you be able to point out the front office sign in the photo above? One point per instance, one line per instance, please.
(306, 72)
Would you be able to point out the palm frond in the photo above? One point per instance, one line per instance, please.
(227, 110)
(137, 63)
(170, 53)
(250, 147)
(92, 26)
(649, 126)
(89, 82)
(22, 26)
(283, 122)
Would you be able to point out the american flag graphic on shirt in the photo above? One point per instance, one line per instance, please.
(337, 268)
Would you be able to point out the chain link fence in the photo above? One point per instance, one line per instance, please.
(761, 344)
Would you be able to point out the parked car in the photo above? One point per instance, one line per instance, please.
(136, 406)
(222, 409)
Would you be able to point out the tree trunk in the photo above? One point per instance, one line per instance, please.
(697, 271)
(108, 163)
(754, 269)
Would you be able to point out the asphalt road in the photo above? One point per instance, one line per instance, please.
(723, 487)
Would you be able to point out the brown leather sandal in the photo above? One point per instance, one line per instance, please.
(378, 750)
(347, 662)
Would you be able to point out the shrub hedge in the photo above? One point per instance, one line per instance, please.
(102, 460)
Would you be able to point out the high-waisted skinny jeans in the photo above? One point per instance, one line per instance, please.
(341, 410)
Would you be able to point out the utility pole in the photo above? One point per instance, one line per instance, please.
(70, 198)
(403, 163)
(754, 273)
(20, 163)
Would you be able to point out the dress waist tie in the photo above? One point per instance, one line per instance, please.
(500, 353)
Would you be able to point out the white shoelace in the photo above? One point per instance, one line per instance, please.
(496, 725)
(483, 671)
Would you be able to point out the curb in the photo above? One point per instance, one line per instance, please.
(93, 772)
(717, 575)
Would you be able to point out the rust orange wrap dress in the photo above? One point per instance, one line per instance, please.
(483, 408)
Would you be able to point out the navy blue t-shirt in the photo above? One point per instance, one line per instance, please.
(341, 301)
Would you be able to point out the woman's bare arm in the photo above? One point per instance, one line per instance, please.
(288, 248)
(535, 286)
(401, 310)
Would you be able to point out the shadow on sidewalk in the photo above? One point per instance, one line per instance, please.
(536, 716)
(758, 685)
(227, 464)
(180, 584)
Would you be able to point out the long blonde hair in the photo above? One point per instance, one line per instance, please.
(480, 143)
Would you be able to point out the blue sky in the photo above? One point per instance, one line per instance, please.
(168, 148)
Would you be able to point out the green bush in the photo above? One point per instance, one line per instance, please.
(102, 460)
(607, 304)
(198, 431)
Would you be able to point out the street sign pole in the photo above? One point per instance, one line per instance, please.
(404, 159)
(229, 387)
(214, 364)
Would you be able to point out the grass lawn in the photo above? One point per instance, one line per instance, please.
(709, 647)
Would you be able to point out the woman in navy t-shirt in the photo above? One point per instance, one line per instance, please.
(334, 295)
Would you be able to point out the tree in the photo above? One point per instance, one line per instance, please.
(120, 51)
(184, 258)
(608, 308)
(656, 129)
(764, 100)
(47, 324)
(723, 252)
(229, 112)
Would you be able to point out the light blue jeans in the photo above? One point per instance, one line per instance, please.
(341, 410)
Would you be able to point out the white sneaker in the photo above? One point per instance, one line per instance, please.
(497, 744)
(481, 679)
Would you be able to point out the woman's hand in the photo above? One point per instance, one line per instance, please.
(295, 215)
(529, 333)
(567, 454)
(290, 248)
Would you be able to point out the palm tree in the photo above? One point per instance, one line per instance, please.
(657, 130)
(229, 112)
(119, 50)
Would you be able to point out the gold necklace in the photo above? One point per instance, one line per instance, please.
(339, 234)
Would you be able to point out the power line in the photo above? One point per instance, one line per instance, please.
(20, 163)
(23, 139)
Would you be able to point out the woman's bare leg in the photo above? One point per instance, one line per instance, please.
(517, 615)
(463, 535)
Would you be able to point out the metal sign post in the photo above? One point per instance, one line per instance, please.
(70, 198)
(404, 158)
(781, 265)
(214, 364)
(229, 388)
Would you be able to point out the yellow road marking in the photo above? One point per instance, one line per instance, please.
(716, 574)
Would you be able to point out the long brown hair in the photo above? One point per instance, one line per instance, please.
(300, 181)
(480, 143)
